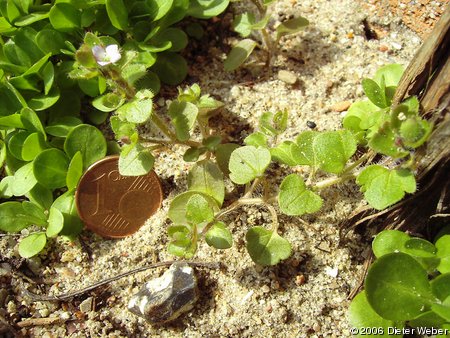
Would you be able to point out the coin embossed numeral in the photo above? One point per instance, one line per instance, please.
(101, 184)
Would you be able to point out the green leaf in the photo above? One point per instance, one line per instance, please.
(240, 52)
(136, 111)
(48, 76)
(295, 199)
(182, 244)
(389, 241)
(443, 252)
(74, 171)
(266, 247)
(223, 154)
(35, 211)
(248, 163)
(41, 196)
(206, 177)
(135, 161)
(375, 94)
(171, 68)
(117, 13)
(31, 121)
(24, 180)
(219, 237)
(15, 143)
(198, 210)
(361, 116)
(205, 9)
(427, 319)
(291, 26)
(33, 145)
(50, 41)
(244, 23)
(15, 218)
(65, 17)
(109, 102)
(67, 206)
(328, 151)
(287, 152)
(397, 287)
(392, 74)
(212, 142)
(50, 168)
(441, 286)
(11, 121)
(383, 187)
(55, 222)
(361, 317)
(177, 209)
(61, 126)
(89, 141)
(257, 139)
(183, 115)
(44, 101)
(384, 141)
(33, 244)
(176, 36)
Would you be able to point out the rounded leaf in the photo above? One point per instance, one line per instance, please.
(89, 141)
(397, 287)
(55, 222)
(389, 241)
(295, 199)
(50, 168)
(33, 244)
(65, 17)
(171, 68)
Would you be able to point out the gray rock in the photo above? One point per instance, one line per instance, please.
(165, 298)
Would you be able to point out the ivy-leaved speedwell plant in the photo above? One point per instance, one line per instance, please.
(375, 126)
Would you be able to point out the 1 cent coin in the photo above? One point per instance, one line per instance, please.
(116, 206)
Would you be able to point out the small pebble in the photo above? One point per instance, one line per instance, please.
(332, 272)
(87, 305)
(287, 77)
(265, 289)
(341, 106)
(311, 124)
(300, 280)
(383, 48)
(396, 45)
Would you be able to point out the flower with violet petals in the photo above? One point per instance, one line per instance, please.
(106, 56)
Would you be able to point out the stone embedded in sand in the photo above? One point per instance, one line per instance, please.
(287, 77)
(165, 298)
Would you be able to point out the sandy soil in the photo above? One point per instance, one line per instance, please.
(304, 296)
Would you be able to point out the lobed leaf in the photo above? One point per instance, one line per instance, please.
(247, 163)
(183, 115)
(198, 210)
(383, 187)
(177, 209)
(206, 177)
(135, 161)
(219, 237)
(295, 199)
(266, 247)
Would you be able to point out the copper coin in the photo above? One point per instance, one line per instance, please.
(116, 206)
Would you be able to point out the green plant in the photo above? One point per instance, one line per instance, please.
(407, 288)
(248, 23)
(199, 212)
(63, 65)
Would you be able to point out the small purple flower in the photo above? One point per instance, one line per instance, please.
(106, 56)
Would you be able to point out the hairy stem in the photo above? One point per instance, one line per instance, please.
(333, 181)
(188, 143)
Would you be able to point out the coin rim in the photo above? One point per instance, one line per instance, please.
(77, 197)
